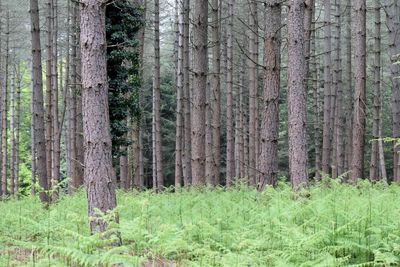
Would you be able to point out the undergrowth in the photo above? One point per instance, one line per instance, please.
(332, 224)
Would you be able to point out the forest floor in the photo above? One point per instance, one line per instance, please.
(329, 225)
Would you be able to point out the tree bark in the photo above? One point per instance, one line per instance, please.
(392, 9)
(326, 138)
(157, 155)
(360, 98)
(12, 132)
(200, 14)
(296, 96)
(230, 145)
(99, 173)
(268, 160)
(38, 114)
(374, 164)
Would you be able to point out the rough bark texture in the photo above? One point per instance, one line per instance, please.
(326, 138)
(38, 109)
(215, 92)
(268, 160)
(374, 164)
(187, 150)
(158, 183)
(392, 10)
(230, 144)
(99, 173)
(179, 100)
(357, 169)
(296, 96)
(253, 106)
(199, 90)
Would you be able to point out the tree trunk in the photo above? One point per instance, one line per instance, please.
(38, 114)
(392, 9)
(360, 98)
(230, 153)
(17, 130)
(296, 96)
(179, 100)
(253, 110)
(157, 155)
(49, 90)
(326, 138)
(33, 138)
(5, 116)
(268, 161)
(12, 132)
(374, 165)
(99, 173)
(200, 14)
(349, 88)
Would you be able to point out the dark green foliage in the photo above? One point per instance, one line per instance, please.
(123, 20)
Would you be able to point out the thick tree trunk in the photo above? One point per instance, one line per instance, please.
(230, 153)
(200, 14)
(360, 97)
(374, 164)
(157, 155)
(268, 160)
(296, 96)
(326, 138)
(99, 173)
(38, 109)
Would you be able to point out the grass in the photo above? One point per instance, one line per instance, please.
(331, 225)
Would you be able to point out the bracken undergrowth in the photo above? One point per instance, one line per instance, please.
(328, 224)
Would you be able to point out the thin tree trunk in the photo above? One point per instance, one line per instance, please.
(99, 172)
(5, 116)
(297, 96)
(38, 114)
(12, 132)
(326, 142)
(360, 97)
(392, 9)
(253, 111)
(17, 130)
(33, 138)
(179, 100)
(268, 161)
(374, 165)
(157, 155)
(349, 87)
(200, 14)
(230, 153)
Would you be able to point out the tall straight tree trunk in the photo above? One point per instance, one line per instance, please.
(55, 177)
(12, 132)
(315, 73)
(18, 130)
(179, 100)
(297, 96)
(157, 155)
(4, 148)
(326, 138)
(268, 160)
(309, 6)
(230, 153)
(49, 89)
(374, 164)
(38, 109)
(339, 145)
(99, 172)
(349, 85)
(216, 92)
(253, 110)
(360, 97)
(392, 10)
(138, 131)
(33, 138)
(200, 14)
